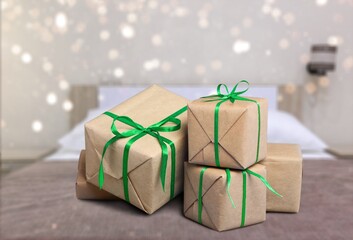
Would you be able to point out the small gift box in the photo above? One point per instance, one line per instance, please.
(227, 130)
(85, 190)
(284, 172)
(136, 150)
(224, 199)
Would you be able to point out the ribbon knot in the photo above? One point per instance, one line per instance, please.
(137, 132)
(231, 96)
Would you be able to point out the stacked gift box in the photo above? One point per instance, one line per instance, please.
(157, 144)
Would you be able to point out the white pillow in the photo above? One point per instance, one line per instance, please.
(285, 128)
(282, 128)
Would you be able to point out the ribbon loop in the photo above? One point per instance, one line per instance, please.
(137, 132)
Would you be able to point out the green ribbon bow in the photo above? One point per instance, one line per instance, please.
(231, 96)
(137, 132)
(243, 210)
(229, 179)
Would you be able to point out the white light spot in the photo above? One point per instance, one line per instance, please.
(348, 63)
(283, 43)
(241, 46)
(216, 65)
(166, 66)
(54, 226)
(335, 40)
(102, 10)
(127, 31)
(131, 17)
(266, 9)
(3, 123)
(26, 58)
(321, 3)
(200, 70)
(235, 31)
(104, 35)
(47, 67)
(276, 13)
(113, 54)
(63, 85)
(304, 58)
(152, 4)
(4, 5)
(61, 20)
(247, 22)
(156, 40)
(324, 82)
(289, 18)
(290, 88)
(68, 105)
(52, 98)
(203, 23)
(37, 126)
(151, 64)
(16, 49)
(268, 52)
(310, 88)
(118, 72)
(181, 12)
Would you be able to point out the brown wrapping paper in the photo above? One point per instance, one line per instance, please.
(284, 173)
(217, 210)
(145, 188)
(85, 190)
(238, 129)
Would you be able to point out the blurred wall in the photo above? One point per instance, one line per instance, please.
(49, 45)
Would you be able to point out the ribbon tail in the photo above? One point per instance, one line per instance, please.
(267, 184)
(164, 163)
(229, 179)
(101, 167)
(199, 198)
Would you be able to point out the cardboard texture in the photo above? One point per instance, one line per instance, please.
(238, 131)
(217, 210)
(85, 190)
(145, 188)
(284, 173)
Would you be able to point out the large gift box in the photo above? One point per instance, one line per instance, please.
(227, 131)
(137, 149)
(224, 199)
(86, 190)
(284, 172)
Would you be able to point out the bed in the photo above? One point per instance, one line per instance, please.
(284, 126)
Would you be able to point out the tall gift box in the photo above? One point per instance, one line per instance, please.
(227, 130)
(284, 172)
(137, 149)
(224, 199)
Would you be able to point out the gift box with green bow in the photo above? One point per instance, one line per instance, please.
(224, 199)
(137, 149)
(227, 129)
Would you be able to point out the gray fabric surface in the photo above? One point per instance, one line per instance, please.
(38, 202)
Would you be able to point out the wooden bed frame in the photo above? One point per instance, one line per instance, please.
(86, 97)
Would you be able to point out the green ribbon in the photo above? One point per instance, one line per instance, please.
(243, 209)
(231, 96)
(137, 132)
(244, 173)
(229, 179)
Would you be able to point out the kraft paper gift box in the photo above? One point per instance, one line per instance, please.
(132, 166)
(85, 190)
(242, 136)
(284, 172)
(215, 210)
